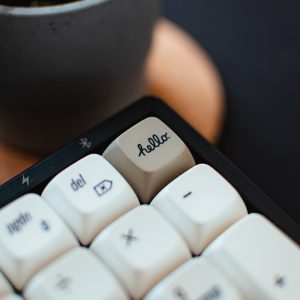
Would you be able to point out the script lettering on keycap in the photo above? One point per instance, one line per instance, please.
(18, 223)
(154, 142)
(213, 294)
(78, 183)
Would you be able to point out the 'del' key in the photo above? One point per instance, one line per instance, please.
(149, 155)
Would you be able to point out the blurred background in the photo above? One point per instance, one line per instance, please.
(256, 47)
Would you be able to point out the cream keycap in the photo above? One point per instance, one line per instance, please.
(141, 248)
(89, 195)
(196, 279)
(31, 236)
(5, 287)
(200, 204)
(259, 258)
(77, 275)
(149, 155)
(11, 297)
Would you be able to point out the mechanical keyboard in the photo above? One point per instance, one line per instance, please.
(143, 207)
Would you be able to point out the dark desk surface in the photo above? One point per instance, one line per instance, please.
(256, 46)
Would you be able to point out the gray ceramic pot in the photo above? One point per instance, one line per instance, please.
(64, 68)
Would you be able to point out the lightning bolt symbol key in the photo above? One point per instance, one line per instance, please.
(25, 180)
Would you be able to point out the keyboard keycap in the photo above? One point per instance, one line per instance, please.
(31, 236)
(11, 297)
(149, 155)
(196, 279)
(5, 287)
(89, 195)
(258, 258)
(141, 248)
(77, 275)
(200, 204)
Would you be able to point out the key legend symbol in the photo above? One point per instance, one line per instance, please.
(63, 284)
(129, 237)
(280, 281)
(103, 187)
(45, 225)
(85, 143)
(25, 180)
(187, 195)
(180, 294)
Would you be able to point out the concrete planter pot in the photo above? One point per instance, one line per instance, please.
(64, 68)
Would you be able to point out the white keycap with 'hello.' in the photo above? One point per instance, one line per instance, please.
(149, 155)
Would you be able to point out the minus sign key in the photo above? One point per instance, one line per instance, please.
(187, 195)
